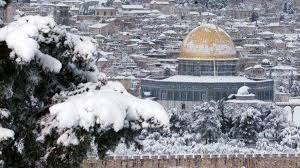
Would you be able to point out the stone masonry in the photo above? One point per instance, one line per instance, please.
(198, 161)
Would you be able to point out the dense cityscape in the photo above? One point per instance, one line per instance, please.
(91, 79)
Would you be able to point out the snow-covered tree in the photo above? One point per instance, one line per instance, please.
(59, 104)
(274, 121)
(6, 135)
(295, 88)
(290, 137)
(288, 7)
(265, 120)
(203, 120)
(246, 128)
(247, 125)
(254, 121)
(3, 3)
(207, 121)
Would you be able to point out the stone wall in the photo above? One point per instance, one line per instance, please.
(197, 161)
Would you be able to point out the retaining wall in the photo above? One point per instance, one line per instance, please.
(198, 161)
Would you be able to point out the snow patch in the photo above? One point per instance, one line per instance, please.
(20, 36)
(110, 107)
(6, 134)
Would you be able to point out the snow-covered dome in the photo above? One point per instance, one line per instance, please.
(244, 90)
(208, 42)
(266, 61)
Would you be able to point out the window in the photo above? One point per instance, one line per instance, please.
(218, 96)
(104, 13)
(190, 96)
(170, 95)
(184, 68)
(163, 95)
(183, 96)
(176, 95)
(196, 96)
(203, 96)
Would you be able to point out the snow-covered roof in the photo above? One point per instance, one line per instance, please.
(162, 16)
(106, 8)
(138, 12)
(159, 2)
(62, 5)
(99, 36)
(102, 59)
(284, 67)
(266, 33)
(255, 101)
(255, 45)
(169, 32)
(124, 77)
(274, 24)
(207, 14)
(98, 25)
(194, 13)
(132, 7)
(257, 66)
(207, 79)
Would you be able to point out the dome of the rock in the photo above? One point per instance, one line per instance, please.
(208, 42)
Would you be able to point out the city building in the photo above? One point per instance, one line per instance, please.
(105, 12)
(207, 70)
(61, 14)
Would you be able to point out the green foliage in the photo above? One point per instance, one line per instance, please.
(26, 91)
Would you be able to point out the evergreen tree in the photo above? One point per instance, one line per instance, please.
(41, 66)
(273, 122)
(247, 125)
(288, 8)
(290, 137)
(207, 121)
(109, 3)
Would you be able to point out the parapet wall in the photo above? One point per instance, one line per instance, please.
(197, 161)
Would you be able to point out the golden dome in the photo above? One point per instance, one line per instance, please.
(207, 42)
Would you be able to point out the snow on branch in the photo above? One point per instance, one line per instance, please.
(25, 36)
(111, 107)
(21, 35)
(6, 134)
(48, 63)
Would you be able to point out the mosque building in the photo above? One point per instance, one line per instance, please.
(207, 70)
